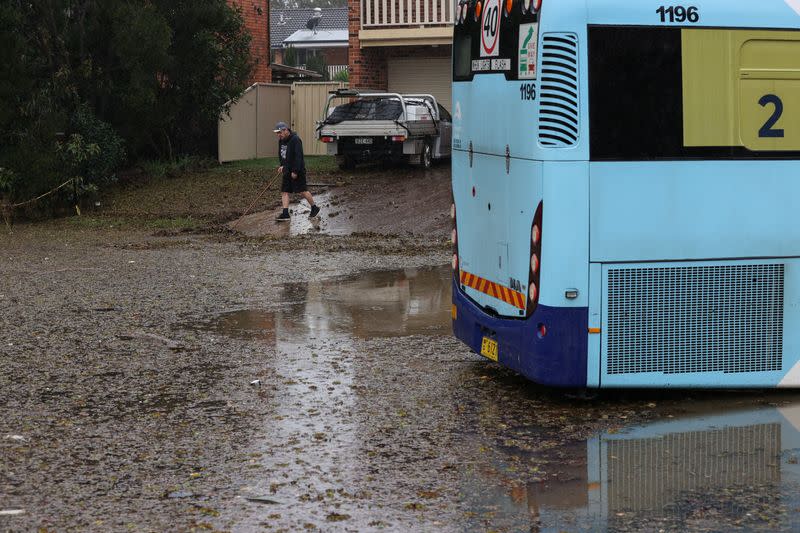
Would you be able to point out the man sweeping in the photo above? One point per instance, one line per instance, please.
(293, 167)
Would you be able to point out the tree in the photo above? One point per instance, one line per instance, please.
(142, 77)
(317, 64)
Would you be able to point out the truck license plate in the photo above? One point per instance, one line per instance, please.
(363, 140)
(489, 348)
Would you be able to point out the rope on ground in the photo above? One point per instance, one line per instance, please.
(48, 193)
(7, 209)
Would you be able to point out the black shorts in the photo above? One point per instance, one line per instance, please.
(294, 185)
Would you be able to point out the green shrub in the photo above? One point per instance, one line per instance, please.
(99, 166)
(343, 75)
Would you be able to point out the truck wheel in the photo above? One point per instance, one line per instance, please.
(427, 155)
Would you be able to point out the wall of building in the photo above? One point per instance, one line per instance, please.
(256, 18)
(368, 66)
(335, 56)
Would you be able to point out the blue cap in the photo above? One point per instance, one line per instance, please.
(280, 126)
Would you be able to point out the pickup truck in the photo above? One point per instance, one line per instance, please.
(385, 126)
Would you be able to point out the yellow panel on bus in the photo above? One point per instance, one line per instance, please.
(740, 88)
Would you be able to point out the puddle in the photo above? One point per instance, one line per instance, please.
(369, 304)
(737, 469)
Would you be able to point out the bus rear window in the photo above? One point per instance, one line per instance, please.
(462, 56)
(670, 93)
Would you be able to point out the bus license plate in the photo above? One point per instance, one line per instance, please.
(489, 348)
(363, 140)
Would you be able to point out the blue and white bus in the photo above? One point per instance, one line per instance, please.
(626, 184)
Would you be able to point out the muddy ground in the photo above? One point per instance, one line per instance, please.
(177, 377)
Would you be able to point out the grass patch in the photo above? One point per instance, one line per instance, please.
(192, 193)
(163, 169)
(95, 222)
(316, 164)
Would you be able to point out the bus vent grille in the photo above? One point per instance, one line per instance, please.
(558, 105)
(680, 320)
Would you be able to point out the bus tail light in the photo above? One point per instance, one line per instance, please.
(454, 239)
(326, 139)
(534, 287)
(537, 6)
(526, 6)
(398, 138)
(478, 9)
(509, 6)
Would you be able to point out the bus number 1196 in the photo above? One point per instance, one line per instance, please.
(527, 91)
(679, 14)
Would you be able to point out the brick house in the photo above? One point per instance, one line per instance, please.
(329, 38)
(256, 18)
(401, 46)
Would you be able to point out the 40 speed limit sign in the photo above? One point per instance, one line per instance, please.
(490, 29)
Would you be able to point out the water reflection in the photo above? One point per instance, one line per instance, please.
(710, 472)
(370, 304)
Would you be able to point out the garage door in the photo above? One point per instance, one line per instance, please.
(429, 75)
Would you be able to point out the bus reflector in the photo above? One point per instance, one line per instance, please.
(399, 138)
(455, 261)
(454, 237)
(454, 312)
(541, 330)
(326, 139)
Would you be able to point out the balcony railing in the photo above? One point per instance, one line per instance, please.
(333, 70)
(411, 13)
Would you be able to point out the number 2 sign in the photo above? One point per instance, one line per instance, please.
(490, 29)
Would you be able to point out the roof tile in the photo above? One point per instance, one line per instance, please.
(284, 22)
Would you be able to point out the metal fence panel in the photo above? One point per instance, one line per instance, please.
(308, 105)
(246, 133)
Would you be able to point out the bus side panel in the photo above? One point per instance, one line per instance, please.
(721, 13)
(684, 210)
(565, 234)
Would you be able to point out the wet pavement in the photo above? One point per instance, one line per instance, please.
(312, 383)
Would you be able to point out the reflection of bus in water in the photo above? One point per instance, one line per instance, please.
(721, 465)
(625, 182)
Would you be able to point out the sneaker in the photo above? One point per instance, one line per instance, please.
(314, 211)
(283, 217)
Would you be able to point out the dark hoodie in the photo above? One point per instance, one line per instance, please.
(291, 156)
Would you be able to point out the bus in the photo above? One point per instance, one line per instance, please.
(626, 190)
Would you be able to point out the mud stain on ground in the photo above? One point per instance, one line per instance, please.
(406, 201)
